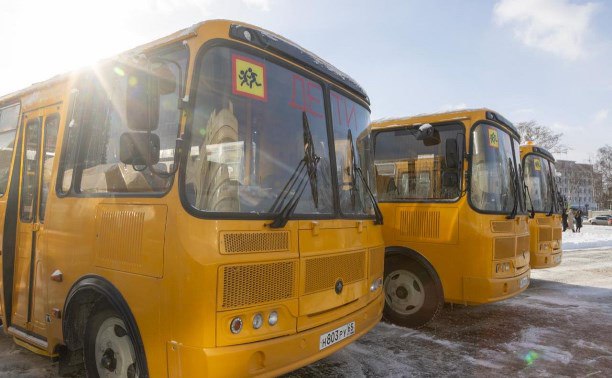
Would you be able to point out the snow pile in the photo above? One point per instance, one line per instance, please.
(588, 237)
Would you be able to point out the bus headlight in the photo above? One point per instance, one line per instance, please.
(257, 321)
(236, 325)
(376, 284)
(502, 267)
(273, 318)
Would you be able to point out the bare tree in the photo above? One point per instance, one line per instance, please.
(542, 135)
(603, 166)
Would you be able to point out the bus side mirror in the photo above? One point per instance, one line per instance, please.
(143, 90)
(450, 180)
(139, 148)
(428, 134)
(452, 154)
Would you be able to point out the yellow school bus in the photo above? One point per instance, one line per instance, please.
(543, 205)
(455, 229)
(197, 206)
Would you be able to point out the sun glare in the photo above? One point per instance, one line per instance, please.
(61, 36)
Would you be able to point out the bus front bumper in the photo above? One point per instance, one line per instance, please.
(546, 260)
(270, 357)
(487, 290)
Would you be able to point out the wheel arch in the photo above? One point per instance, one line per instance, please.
(86, 293)
(420, 259)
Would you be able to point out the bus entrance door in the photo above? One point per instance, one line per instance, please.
(29, 289)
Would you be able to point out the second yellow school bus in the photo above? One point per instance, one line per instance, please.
(194, 207)
(450, 190)
(543, 202)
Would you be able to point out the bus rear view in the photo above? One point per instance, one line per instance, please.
(451, 193)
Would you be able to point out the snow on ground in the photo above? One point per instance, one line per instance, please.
(589, 237)
(560, 326)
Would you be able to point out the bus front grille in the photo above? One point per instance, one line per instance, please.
(502, 226)
(546, 234)
(557, 233)
(377, 262)
(322, 273)
(523, 244)
(505, 248)
(251, 284)
(252, 242)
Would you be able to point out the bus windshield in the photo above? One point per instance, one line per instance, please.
(352, 145)
(495, 182)
(253, 121)
(538, 178)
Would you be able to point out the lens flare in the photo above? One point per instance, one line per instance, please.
(531, 357)
(119, 71)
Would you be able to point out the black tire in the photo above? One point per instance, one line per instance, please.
(413, 293)
(102, 317)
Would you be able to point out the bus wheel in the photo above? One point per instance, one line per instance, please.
(109, 349)
(412, 298)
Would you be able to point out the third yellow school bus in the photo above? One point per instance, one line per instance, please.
(543, 203)
(194, 207)
(450, 190)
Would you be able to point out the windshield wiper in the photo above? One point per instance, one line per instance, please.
(306, 169)
(527, 195)
(551, 188)
(357, 171)
(532, 212)
(514, 189)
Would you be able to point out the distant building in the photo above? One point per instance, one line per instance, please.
(579, 184)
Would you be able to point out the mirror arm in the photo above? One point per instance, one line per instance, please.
(178, 151)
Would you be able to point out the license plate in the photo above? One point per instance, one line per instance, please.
(557, 259)
(524, 282)
(337, 335)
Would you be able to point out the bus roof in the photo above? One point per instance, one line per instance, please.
(263, 39)
(535, 149)
(454, 115)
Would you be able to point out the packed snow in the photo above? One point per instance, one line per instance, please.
(590, 236)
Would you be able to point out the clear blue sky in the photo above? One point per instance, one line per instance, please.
(543, 60)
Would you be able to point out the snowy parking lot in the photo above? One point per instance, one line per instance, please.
(560, 326)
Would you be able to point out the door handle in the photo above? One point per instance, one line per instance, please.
(35, 226)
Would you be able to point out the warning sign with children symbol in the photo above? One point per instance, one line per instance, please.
(537, 164)
(249, 78)
(493, 138)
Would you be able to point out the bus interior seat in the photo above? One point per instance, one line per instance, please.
(214, 189)
(217, 192)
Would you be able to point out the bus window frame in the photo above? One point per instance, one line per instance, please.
(42, 209)
(549, 162)
(16, 138)
(33, 215)
(463, 181)
(512, 134)
(78, 158)
(293, 66)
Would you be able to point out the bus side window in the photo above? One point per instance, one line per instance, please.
(9, 116)
(49, 141)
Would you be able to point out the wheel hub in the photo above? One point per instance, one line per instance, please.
(114, 350)
(401, 292)
(109, 362)
(404, 292)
